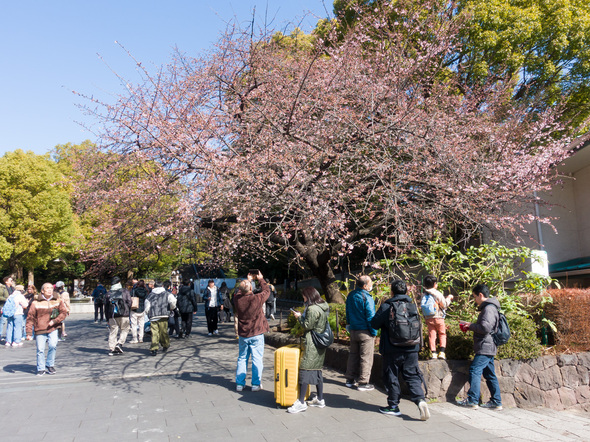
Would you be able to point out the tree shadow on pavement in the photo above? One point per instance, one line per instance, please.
(23, 368)
(205, 378)
(92, 350)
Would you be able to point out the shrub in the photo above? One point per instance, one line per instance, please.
(340, 308)
(523, 343)
(569, 312)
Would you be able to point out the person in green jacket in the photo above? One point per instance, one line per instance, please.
(314, 317)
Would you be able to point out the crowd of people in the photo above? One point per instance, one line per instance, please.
(167, 310)
(164, 310)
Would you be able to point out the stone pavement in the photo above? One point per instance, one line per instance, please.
(189, 394)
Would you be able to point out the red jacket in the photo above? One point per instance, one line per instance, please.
(248, 309)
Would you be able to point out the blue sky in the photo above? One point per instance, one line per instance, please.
(50, 48)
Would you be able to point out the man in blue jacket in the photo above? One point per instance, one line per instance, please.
(360, 309)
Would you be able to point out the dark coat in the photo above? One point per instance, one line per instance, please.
(109, 311)
(141, 293)
(487, 323)
(207, 297)
(381, 321)
(186, 300)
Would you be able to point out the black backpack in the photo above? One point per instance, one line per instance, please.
(405, 326)
(100, 294)
(117, 303)
(502, 333)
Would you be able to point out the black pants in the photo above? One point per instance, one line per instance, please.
(269, 309)
(405, 364)
(97, 307)
(174, 324)
(211, 314)
(187, 323)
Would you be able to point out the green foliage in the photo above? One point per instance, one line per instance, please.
(335, 310)
(523, 343)
(459, 270)
(37, 224)
(538, 46)
(494, 264)
(542, 43)
(296, 41)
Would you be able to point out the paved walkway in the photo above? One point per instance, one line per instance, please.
(189, 394)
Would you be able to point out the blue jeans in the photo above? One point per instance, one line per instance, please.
(483, 364)
(50, 338)
(14, 329)
(2, 322)
(254, 346)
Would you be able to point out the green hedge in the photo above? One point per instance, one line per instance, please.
(523, 343)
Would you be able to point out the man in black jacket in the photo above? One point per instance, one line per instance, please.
(187, 305)
(399, 359)
(485, 349)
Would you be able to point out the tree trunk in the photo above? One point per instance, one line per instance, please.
(325, 275)
(319, 264)
(19, 273)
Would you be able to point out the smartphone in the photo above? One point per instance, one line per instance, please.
(254, 271)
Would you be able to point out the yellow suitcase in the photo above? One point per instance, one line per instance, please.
(286, 375)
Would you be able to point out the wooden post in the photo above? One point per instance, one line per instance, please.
(337, 326)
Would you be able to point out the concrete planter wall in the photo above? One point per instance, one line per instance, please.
(84, 305)
(556, 382)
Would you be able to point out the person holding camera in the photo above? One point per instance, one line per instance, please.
(313, 318)
(251, 328)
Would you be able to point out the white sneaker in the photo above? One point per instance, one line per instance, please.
(315, 402)
(215, 332)
(424, 412)
(239, 388)
(442, 355)
(134, 342)
(256, 387)
(434, 355)
(297, 407)
(272, 316)
(209, 334)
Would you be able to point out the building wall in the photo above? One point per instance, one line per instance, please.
(565, 244)
(582, 204)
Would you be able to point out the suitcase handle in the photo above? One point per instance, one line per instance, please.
(286, 378)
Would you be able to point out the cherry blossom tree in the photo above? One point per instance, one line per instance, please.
(361, 142)
(131, 224)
